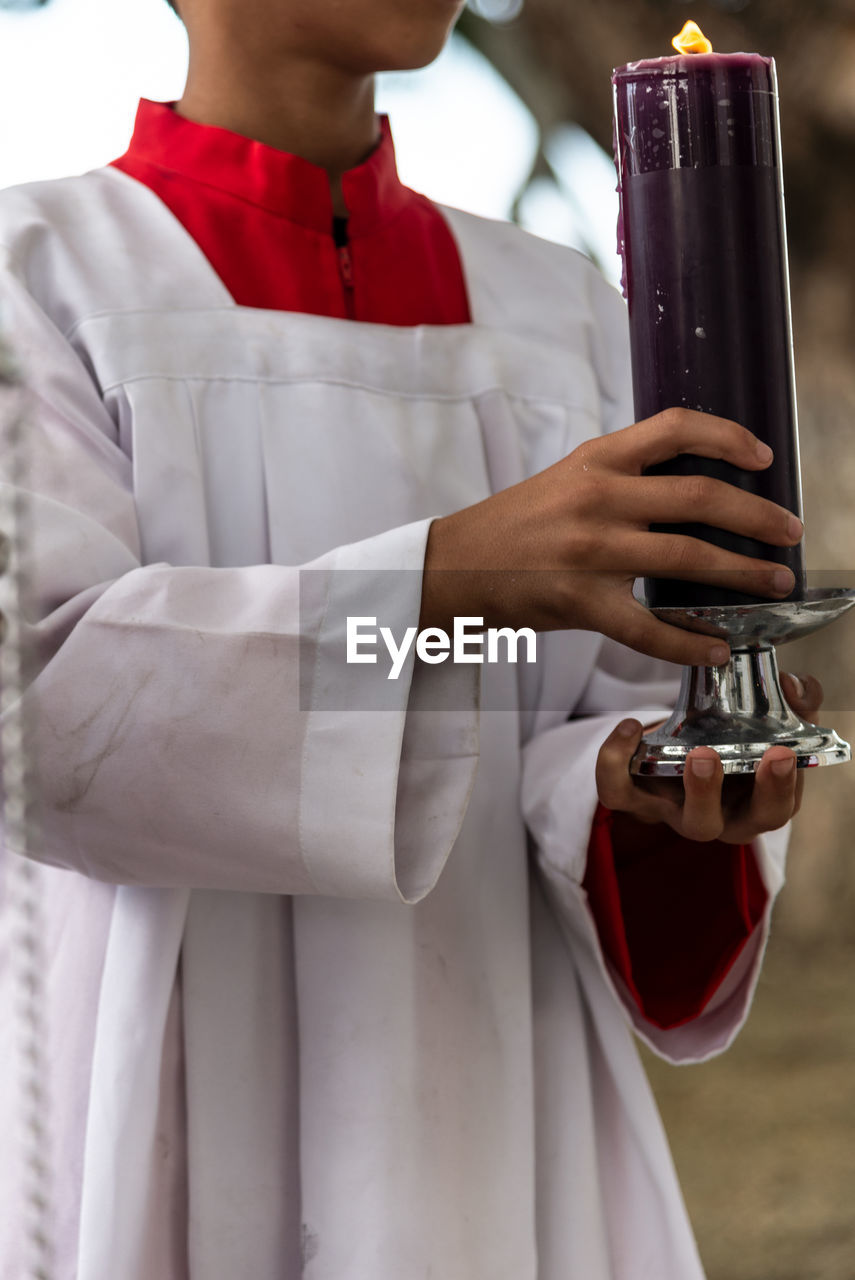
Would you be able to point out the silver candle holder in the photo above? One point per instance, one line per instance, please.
(739, 709)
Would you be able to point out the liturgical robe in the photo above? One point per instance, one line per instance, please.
(327, 991)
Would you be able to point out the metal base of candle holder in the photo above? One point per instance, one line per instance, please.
(739, 709)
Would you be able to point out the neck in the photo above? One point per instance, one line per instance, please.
(307, 109)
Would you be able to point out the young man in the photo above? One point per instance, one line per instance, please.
(315, 1012)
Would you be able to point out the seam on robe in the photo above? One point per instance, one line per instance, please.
(310, 380)
(304, 749)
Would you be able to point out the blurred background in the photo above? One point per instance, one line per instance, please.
(514, 121)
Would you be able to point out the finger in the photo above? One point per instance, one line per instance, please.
(615, 787)
(679, 431)
(804, 694)
(773, 798)
(614, 784)
(673, 555)
(702, 500)
(628, 622)
(702, 782)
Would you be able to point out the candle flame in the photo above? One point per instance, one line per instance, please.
(692, 40)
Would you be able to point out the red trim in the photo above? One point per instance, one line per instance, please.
(673, 916)
(231, 193)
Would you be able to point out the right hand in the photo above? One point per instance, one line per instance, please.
(563, 549)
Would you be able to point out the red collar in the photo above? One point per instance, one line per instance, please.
(274, 180)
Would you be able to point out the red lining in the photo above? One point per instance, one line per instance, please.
(673, 916)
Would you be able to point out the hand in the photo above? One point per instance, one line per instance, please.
(563, 549)
(703, 804)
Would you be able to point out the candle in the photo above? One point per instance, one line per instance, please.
(705, 268)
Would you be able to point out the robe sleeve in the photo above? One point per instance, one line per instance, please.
(673, 915)
(641, 922)
(195, 726)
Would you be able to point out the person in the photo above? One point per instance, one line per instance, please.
(316, 1010)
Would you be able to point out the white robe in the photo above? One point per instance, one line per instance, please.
(404, 1054)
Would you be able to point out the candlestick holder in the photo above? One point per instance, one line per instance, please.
(739, 709)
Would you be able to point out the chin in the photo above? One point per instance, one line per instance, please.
(412, 34)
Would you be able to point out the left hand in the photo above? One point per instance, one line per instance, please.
(704, 805)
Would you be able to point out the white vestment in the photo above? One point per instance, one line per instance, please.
(404, 1054)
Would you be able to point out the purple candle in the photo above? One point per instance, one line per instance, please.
(705, 261)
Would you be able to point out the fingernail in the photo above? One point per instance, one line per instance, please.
(783, 768)
(702, 766)
(783, 582)
(799, 687)
(764, 453)
(719, 655)
(627, 729)
(795, 528)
